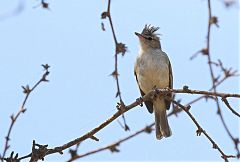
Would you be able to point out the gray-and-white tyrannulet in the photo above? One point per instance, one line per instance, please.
(153, 70)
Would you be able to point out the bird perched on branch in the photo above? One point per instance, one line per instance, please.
(153, 70)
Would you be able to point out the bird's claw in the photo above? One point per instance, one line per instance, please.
(140, 101)
(153, 97)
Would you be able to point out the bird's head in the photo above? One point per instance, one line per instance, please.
(148, 38)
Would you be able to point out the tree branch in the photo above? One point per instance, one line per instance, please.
(119, 48)
(147, 97)
(27, 91)
(213, 20)
(200, 130)
(113, 147)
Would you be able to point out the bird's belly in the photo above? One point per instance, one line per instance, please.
(153, 76)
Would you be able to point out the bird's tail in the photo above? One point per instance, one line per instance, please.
(161, 123)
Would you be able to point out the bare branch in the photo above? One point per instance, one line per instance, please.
(148, 129)
(114, 145)
(211, 21)
(200, 130)
(176, 111)
(147, 97)
(27, 91)
(119, 48)
(228, 105)
(207, 93)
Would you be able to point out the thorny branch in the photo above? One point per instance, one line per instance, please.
(232, 74)
(212, 20)
(38, 153)
(119, 48)
(91, 133)
(27, 91)
(228, 73)
(146, 129)
(113, 147)
(200, 130)
(207, 94)
(148, 96)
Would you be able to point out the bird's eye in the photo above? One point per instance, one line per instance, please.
(149, 38)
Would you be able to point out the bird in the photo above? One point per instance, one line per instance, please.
(153, 70)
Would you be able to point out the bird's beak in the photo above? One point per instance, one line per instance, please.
(139, 35)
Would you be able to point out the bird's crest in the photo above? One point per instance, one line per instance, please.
(150, 31)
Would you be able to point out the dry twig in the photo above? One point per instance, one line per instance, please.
(119, 48)
(148, 96)
(113, 147)
(200, 130)
(27, 91)
(212, 20)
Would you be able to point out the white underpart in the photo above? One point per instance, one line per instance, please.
(152, 70)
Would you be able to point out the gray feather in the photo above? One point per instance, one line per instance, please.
(157, 127)
(162, 126)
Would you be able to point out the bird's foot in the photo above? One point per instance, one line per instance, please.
(140, 101)
(155, 95)
(120, 105)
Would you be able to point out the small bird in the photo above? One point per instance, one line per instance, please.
(153, 70)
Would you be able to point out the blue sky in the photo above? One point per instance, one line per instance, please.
(81, 94)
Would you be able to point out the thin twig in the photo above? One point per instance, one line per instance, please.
(96, 129)
(149, 126)
(206, 93)
(119, 48)
(201, 130)
(211, 21)
(229, 106)
(113, 147)
(231, 74)
(91, 133)
(27, 91)
(148, 129)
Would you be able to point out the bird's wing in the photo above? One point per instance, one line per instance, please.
(148, 104)
(167, 102)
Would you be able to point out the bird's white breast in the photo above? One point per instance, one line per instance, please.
(152, 70)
